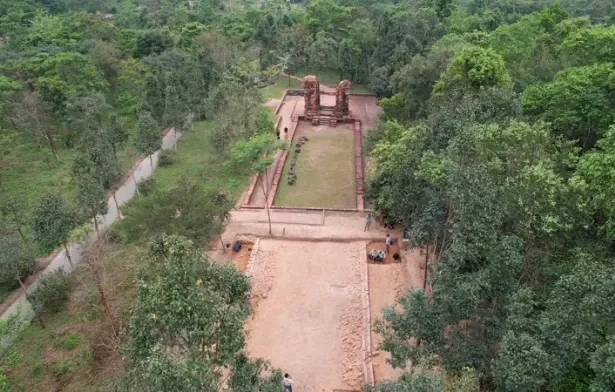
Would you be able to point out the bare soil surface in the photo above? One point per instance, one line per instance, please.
(386, 284)
(241, 258)
(308, 316)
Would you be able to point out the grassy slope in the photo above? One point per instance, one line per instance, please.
(200, 162)
(276, 90)
(30, 171)
(43, 359)
(37, 361)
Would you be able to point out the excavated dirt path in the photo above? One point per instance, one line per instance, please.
(308, 312)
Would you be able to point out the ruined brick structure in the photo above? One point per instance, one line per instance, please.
(311, 86)
(341, 99)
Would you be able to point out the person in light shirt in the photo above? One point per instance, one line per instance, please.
(288, 383)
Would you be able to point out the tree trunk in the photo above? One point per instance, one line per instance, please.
(136, 184)
(21, 234)
(105, 303)
(117, 206)
(151, 161)
(222, 242)
(265, 185)
(70, 260)
(95, 221)
(425, 276)
(52, 146)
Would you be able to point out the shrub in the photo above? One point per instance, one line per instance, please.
(68, 342)
(16, 259)
(166, 157)
(146, 186)
(4, 384)
(52, 292)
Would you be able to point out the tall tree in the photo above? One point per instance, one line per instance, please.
(16, 262)
(577, 102)
(153, 96)
(33, 115)
(196, 309)
(175, 106)
(13, 212)
(91, 196)
(255, 155)
(148, 139)
(52, 221)
(118, 133)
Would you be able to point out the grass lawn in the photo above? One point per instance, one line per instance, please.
(199, 161)
(332, 78)
(276, 90)
(29, 171)
(325, 172)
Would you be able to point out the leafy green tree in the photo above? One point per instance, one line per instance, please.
(85, 113)
(91, 196)
(464, 205)
(152, 42)
(175, 107)
(595, 178)
(415, 81)
(94, 156)
(13, 212)
(417, 381)
(590, 45)
(323, 53)
(239, 114)
(51, 292)
(61, 76)
(328, 17)
(153, 98)
(193, 306)
(577, 102)
(348, 59)
(52, 221)
(16, 261)
(474, 67)
(33, 115)
(186, 209)
(255, 155)
(130, 84)
(148, 139)
(118, 133)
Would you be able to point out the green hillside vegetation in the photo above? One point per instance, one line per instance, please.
(495, 150)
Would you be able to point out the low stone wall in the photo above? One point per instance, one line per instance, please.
(358, 165)
(366, 342)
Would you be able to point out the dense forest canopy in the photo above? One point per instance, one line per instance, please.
(495, 149)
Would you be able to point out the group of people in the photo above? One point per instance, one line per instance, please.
(369, 219)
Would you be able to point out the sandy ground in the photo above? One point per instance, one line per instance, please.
(386, 284)
(308, 318)
(336, 226)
